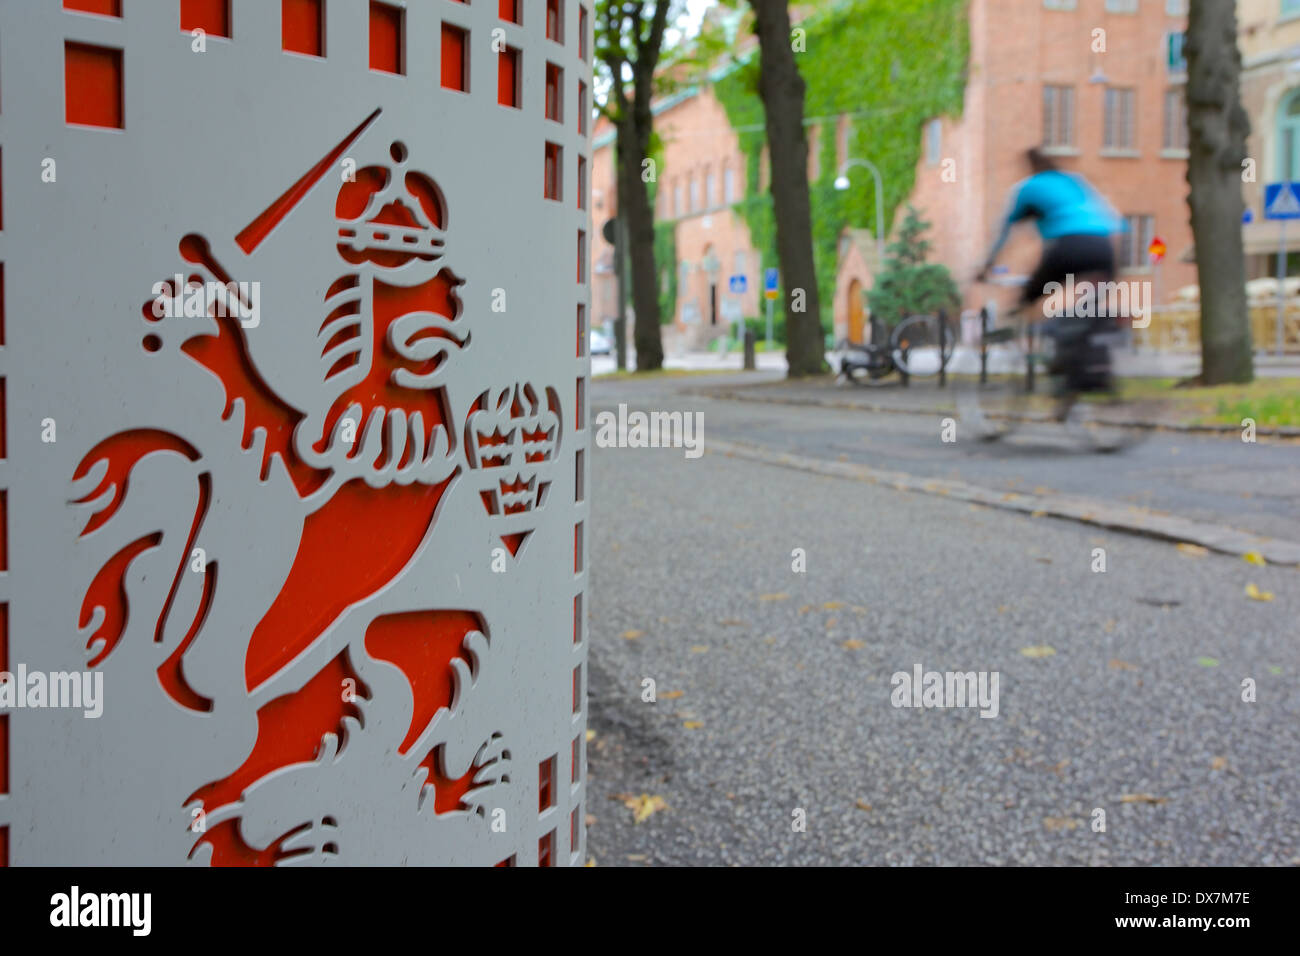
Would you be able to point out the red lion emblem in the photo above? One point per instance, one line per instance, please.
(365, 452)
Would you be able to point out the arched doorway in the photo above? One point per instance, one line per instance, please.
(856, 312)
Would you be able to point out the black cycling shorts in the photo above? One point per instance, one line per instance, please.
(1080, 255)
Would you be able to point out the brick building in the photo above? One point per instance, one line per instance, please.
(1107, 104)
(1269, 39)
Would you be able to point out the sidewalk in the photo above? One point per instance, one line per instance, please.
(923, 396)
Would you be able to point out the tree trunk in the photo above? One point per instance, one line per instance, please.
(1217, 128)
(782, 90)
(638, 217)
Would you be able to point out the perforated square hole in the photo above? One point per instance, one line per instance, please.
(552, 171)
(302, 27)
(92, 85)
(105, 8)
(546, 784)
(508, 78)
(387, 39)
(555, 20)
(455, 58)
(210, 16)
(554, 93)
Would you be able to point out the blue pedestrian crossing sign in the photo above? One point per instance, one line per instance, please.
(1282, 201)
(738, 284)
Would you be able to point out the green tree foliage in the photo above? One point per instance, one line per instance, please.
(909, 285)
(889, 65)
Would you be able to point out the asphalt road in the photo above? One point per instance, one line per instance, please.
(774, 687)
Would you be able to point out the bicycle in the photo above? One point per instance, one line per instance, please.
(1074, 351)
(920, 345)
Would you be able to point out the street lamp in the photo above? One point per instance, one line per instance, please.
(842, 183)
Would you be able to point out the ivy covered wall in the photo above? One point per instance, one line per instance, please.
(890, 65)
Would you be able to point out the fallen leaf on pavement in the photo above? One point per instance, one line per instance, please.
(700, 649)
(590, 862)
(591, 735)
(1274, 670)
(1219, 763)
(1142, 798)
(1056, 824)
(774, 597)
(1118, 665)
(853, 644)
(863, 805)
(632, 635)
(731, 622)
(590, 819)
(1255, 594)
(693, 724)
(1038, 650)
(832, 605)
(1195, 550)
(1255, 558)
(644, 806)
(831, 622)
(1037, 514)
(805, 609)
(1207, 661)
(672, 694)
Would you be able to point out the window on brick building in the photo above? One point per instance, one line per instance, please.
(693, 189)
(1059, 4)
(842, 127)
(1133, 241)
(1175, 127)
(1288, 138)
(710, 196)
(1119, 119)
(1175, 58)
(1121, 6)
(1176, 8)
(933, 142)
(677, 199)
(728, 184)
(1058, 116)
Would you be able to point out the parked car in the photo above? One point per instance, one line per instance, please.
(599, 343)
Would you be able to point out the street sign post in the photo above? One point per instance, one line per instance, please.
(771, 278)
(737, 284)
(1281, 201)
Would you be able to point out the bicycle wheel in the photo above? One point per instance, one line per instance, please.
(923, 344)
(996, 402)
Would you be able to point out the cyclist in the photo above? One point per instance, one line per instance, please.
(1076, 224)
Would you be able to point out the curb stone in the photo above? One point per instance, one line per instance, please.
(1093, 511)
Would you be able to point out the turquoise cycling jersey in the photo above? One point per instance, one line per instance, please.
(1061, 204)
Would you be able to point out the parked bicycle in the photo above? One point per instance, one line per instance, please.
(920, 345)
